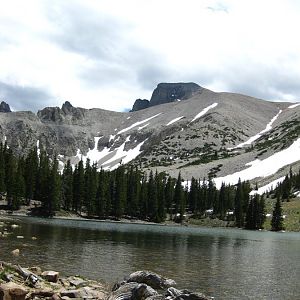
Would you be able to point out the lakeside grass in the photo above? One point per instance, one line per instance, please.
(291, 209)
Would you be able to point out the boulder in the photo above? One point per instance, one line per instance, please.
(132, 291)
(175, 294)
(12, 291)
(77, 282)
(15, 252)
(150, 278)
(50, 276)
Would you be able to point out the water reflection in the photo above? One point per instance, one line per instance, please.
(228, 264)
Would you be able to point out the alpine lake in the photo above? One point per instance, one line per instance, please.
(223, 263)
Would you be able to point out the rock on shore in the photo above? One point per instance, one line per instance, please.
(17, 283)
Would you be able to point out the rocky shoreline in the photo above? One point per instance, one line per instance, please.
(19, 283)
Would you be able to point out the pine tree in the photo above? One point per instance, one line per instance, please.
(31, 171)
(178, 197)
(169, 194)
(239, 202)
(18, 186)
(102, 194)
(78, 187)
(67, 186)
(120, 196)
(2, 169)
(277, 219)
(53, 199)
(152, 197)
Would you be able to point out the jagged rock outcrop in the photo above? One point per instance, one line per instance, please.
(140, 104)
(171, 92)
(67, 113)
(4, 107)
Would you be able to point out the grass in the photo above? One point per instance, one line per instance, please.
(292, 211)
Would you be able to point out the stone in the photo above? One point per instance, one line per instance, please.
(132, 291)
(71, 293)
(55, 296)
(12, 291)
(152, 279)
(77, 282)
(20, 237)
(50, 276)
(16, 252)
(175, 294)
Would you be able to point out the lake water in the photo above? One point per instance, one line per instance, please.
(224, 263)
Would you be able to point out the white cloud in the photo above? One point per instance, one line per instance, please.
(98, 53)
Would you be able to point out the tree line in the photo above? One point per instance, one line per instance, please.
(124, 192)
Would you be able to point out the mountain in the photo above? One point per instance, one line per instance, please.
(224, 135)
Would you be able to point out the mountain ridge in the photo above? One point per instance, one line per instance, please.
(197, 137)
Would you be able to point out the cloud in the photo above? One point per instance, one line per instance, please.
(23, 98)
(106, 54)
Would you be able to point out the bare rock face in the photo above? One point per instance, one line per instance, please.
(140, 104)
(171, 92)
(4, 107)
(57, 115)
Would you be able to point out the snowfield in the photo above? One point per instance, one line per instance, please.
(109, 158)
(266, 167)
(268, 187)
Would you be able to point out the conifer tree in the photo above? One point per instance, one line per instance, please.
(277, 219)
(31, 171)
(67, 186)
(78, 187)
(152, 197)
(169, 194)
(120, 196)
(239, 201)
(2, 169)
(178, 197)
(102, 194)
(53, 199)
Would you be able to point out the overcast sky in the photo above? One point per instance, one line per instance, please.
(107, 53)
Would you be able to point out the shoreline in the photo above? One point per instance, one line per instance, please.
(7, 216)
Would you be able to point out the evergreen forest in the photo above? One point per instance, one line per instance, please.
(128, 193)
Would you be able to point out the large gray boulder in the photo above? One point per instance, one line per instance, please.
(152, 279)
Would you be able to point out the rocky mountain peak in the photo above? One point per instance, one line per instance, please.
(66, 107)
(171, 92)
(168, 92)
(4, 107)
(140, 104)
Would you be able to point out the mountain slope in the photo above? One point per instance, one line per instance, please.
(209, 133)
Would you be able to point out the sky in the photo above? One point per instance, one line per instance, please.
(106, 54)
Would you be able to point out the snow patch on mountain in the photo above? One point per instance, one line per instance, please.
(266, 167)
(175, 120)
(268, 187)
(257, 136)
(204, 111)
(137, 124)
(141, 127)
(294, 105)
